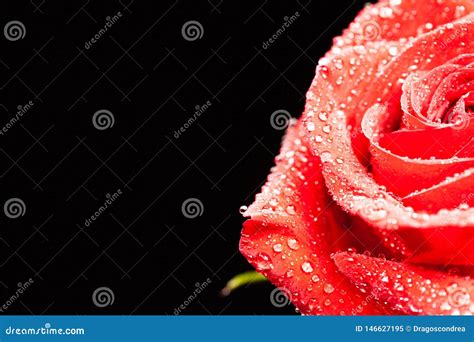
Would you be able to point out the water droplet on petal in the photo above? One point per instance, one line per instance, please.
(393, 51)
(307, 267)
(277, 247)
(263, 262)
(328, 288)
(385, 12)
(290, 210)
(326, 156)
(338, 63)
(243, 209)
(323, 71)
(273, 201)
(445, 306)
(293, 244)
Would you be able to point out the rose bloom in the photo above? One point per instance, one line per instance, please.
(368, 209)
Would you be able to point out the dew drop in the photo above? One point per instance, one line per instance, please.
(328, 288)
(263, 262)
(323, 71)
(338, 63)
(399, 288)
(290, 210)
(445, 306)
(243, 209)
(277, 247)
(385, 12)
(293, 244)
(326, 156)
(307, 267)
(323, 116)
(393, 50)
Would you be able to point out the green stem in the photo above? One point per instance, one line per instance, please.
(242, 279)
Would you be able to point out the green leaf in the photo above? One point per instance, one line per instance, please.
(242, 279)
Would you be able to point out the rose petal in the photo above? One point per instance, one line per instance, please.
(350, 185)
(404, 167)
(398, 19)
(412, 290)
(420, 87)
(294, 226)
(374, 53)
(450, 193)
(431, 143)
(404, 176)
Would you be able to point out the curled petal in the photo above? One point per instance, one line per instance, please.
(293, 229)
(409, 289)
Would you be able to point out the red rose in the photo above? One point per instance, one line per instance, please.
(381, 163)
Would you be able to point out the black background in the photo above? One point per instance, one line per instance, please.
(151, 79)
